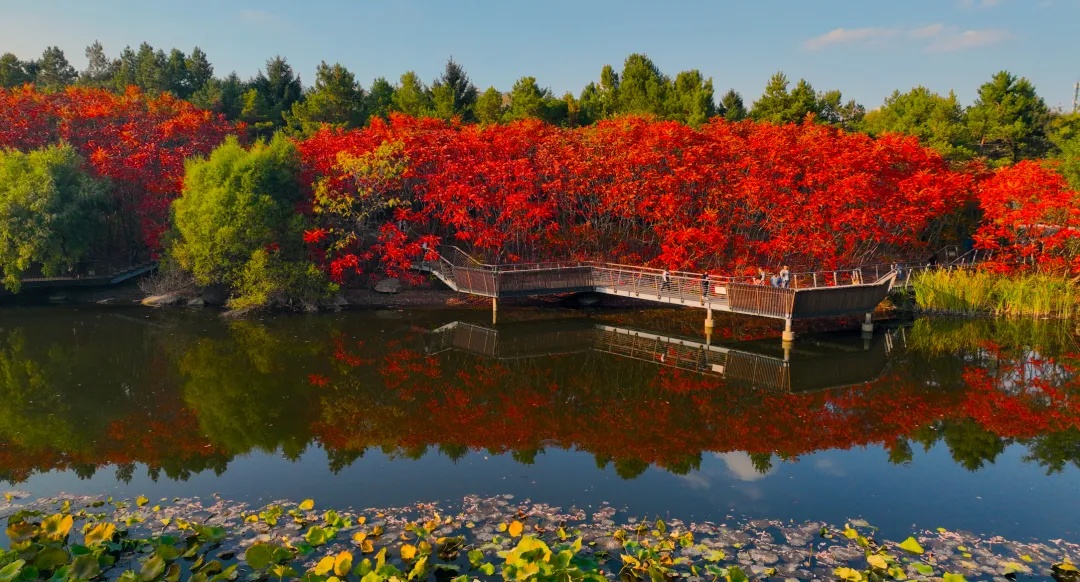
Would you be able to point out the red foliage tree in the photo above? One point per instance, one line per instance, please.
(137, 140)
(1030, 217)
(727, 196)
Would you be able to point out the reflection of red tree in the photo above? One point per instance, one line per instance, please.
(681, 414)
(672, 417)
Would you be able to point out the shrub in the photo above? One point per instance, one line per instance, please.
(50, 211)
(236, 224)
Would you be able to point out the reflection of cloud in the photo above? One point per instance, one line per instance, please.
(936, 37)
(829, 468)
(695, 480)
(979, 3)
(740, 465)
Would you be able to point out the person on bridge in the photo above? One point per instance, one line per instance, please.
(785, 277)
(761, 277)
(704, 285)
(666, 281)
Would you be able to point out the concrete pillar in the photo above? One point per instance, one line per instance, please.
(708, 321)
(868, 325)
(787, 351)
(789, 336)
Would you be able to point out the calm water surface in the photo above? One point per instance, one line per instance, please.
(964, 425)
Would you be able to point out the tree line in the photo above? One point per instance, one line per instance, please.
(1007, 123)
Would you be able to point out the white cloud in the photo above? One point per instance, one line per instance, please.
(848, 35)
(979, 3)
(955, 41)
(258, 17)
(936, 37)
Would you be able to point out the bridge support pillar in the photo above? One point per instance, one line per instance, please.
(708, 320)
(789, 336)
(494, 310)
(868, 325)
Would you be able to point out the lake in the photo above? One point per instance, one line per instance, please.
(966, 425)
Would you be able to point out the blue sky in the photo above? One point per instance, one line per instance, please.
(864, 48)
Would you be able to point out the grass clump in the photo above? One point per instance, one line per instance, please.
(982, 292)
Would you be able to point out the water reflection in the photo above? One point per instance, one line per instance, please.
(184, 395)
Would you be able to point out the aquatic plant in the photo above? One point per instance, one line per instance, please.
(973, 292)
(68, 539)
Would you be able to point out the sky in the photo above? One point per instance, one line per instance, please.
(865, 48)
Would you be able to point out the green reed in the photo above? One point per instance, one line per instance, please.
(982, 292)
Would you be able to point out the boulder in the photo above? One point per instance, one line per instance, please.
(196, 302)
(164, 300)
(388, 286)
(215, 295)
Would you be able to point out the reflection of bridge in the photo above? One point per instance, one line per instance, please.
(818, 294)
(813, 365)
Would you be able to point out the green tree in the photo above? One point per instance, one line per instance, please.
(279, 88)
(14, 72)
(50, 211)
(643, 88)
(336, 100)
(1065, 134)
(1008, 121)
(691, 100)
(731, 106)
(54, 71)
(937, 121)
(489, 106)
(225, 96)
(177, 79)
(411, 97)
(528, 100)
(149, 73)
(235, 224)
(380, 99)
(778, 105)
(833, 110)
(601, 101)
(453, 93)
(99, 70)
(199, 69)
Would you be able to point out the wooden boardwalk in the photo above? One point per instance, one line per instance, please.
(813, 366)
(820, 294)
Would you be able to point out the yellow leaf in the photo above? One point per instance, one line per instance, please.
(515, 529)
(367, 547)
(1025, 558)
(141, 501)
(848, 574)
(502, 527)
(361, 520)
(251, 518)
(307, 505)
(359, 537)
(630, 560)
(325, 565)
(57, 526)
(342, 564)
(101, 532)
(408, 552)
(876, 561)
(850, 533)
(377, 531)
(1066, 566)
